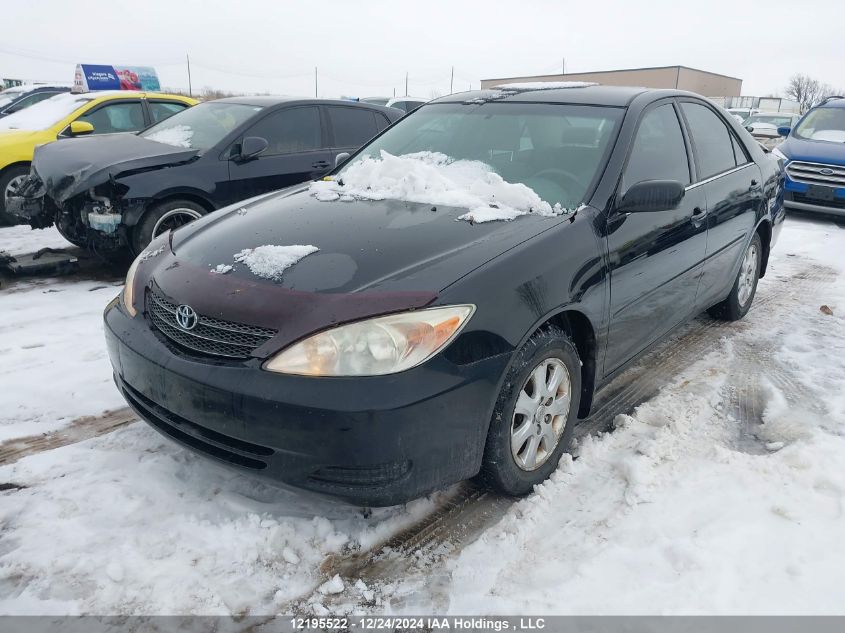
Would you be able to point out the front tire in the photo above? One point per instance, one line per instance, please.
(166, 215)
(10, 182)
(742, 294)
(535, 414)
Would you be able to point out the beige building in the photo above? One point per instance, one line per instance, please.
(679, 77)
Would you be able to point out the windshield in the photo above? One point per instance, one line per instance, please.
(823, 124)
(45, 114)
(770, 119)
(556, 150)
(202, 126)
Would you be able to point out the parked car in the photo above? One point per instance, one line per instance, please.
(411, 343)
(382, 101)
(126, 190)
(814, 156)
(764, 125)
(743, 113)
(406, 104)
(20, 97)
(66, 115)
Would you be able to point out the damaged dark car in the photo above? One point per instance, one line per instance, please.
(448, 301)
(115, 192)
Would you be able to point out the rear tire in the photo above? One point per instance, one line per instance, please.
(739, 301)
(10, 180)
(166, 215)
(533, 419)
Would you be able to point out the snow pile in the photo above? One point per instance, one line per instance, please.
(150, 254)
(545, 85)
(177, 135)
(434, 178)
(47, 113)
(271, 261)
(222, 269)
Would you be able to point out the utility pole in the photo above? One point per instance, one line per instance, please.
(315, 82)
(564, 66)
(190, 92)
(406, 83)
(452, 81)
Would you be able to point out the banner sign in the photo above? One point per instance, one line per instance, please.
(89, 77)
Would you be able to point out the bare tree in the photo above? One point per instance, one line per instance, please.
(807, 91)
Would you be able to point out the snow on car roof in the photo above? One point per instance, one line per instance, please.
(46, 113)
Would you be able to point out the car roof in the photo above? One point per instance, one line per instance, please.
(268, 101)
(838, 102)
(583, 94)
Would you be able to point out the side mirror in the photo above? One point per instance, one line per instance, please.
(652, 195)
(784, 130)
(80, 128)
(341, 158)
(252, 146)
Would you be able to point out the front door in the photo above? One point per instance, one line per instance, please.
(294, 154)
(655, 259)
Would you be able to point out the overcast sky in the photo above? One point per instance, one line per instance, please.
(365, 47)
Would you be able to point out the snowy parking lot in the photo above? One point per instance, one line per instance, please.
(710, 479)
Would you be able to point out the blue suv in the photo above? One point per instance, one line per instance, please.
(814, 152)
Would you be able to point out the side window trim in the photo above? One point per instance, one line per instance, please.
(646, 111)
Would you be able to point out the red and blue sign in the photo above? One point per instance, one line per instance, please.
(90, 77)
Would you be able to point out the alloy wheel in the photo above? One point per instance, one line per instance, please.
(13, 187)
(748, 274)
(540, 414)
(175, 218)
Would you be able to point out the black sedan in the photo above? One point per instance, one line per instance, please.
(115, 191)
(381, 334)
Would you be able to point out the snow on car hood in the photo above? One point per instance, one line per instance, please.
(434, 178)
(71, 166)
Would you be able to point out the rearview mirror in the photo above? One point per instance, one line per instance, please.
(341, 158)
(79, 128)
(252, 146)
(652, 195)
(784, 130)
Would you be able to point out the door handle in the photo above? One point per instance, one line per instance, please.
(698, 213)
(753, 183)
(320, 164)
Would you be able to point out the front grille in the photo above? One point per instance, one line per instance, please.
(211, 336)
(836, 203)
(801, 171)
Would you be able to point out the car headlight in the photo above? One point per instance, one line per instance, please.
(155, 247)
(780, 154)
(129, 287)
(374, 347)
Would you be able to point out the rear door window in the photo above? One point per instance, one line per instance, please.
(352, 126)
(289, 130)
(658, 152)
(160, 110)
(713, 143)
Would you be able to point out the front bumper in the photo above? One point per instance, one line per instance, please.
(374, 441)
(801, 196)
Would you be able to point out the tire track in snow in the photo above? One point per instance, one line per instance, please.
(417, 555)
(78, 430)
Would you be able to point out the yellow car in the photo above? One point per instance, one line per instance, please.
(67, 115)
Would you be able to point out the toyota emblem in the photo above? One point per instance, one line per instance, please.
(186, 317)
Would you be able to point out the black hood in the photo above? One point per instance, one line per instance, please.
(364, 245)
(70, 166)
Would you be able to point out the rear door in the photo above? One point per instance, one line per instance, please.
(731, 183)
(351, 127)
(295, 153)
(655, 258)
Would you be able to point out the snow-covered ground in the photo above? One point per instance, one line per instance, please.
(54, 365)
(670, 513)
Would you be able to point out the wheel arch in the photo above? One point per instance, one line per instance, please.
(764, 230)
(20, 163)
(135, 215)
(580, 329)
